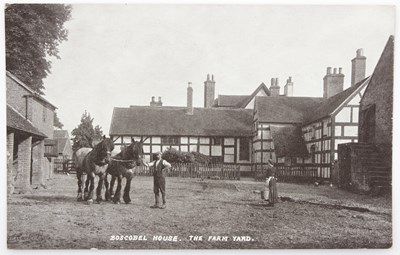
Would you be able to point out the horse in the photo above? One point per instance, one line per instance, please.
(121, 166)
(92, 162)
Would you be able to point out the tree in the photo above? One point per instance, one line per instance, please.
(34, 32)
(57, 122)
(85, 135)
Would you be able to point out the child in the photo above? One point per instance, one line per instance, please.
(270, 185)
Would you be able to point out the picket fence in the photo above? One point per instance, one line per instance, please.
(190, 170)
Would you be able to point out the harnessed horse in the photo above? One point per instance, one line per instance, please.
(92, 162)
(121, 166)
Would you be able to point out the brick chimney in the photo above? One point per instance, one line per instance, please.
(154, 102)
(274, 87)
(333, 82)
(209, 91)
(289, 87)
(358, 67)
(189, 105)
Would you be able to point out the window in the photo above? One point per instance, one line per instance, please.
(216, 141)
(170, 140)
(244, 148)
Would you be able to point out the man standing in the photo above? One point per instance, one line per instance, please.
(161, 166)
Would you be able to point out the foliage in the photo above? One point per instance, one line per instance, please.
(34, 32)
(85, 135)
(174, 156)
(57, 122)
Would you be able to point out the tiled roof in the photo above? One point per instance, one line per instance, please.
(60, 134)
(329, 105)
(231, 101)
(303, 110)
(239, 101)
(288, 141)
(285, 109)
(147, 120)
(16, 121)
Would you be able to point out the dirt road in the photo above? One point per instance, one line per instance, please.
(201, 214)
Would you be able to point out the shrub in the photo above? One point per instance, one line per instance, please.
(174, 156)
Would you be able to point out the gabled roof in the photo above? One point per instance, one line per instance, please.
(170, 121)
(329, 105)
(239, 101)
(60, 134)
(17, 121)
(285, 109)
(61, 143)
(288, 141)
(303, 110)
(383, 72)
(33, 93)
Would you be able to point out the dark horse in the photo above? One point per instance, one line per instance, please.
(92, 162)
(121, 166)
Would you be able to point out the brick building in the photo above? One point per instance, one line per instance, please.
(367, 165)
(30, 148)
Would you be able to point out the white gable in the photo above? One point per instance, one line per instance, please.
(260, 93)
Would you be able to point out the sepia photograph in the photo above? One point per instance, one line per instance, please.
(198, 125)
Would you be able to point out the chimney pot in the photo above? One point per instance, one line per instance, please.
(360, 52)
(272, 82)
(159, 99)
(276, 82)
(329, 70)
(334, 70)
(212, 77)
(208, 77)
(340, 70)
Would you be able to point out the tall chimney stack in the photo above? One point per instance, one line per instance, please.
(289, 87)
(189, 104)
(274, 88)
(358, 65)
(159, 103)
(333, 82)
(209, 91)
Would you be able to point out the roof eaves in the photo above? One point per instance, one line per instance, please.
(364, 83)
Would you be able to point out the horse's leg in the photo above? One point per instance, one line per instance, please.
(91, 176)
(112, 186)
(99, 188)
(129, 177)
(117, 195)
(79, 176)
(106, 184)
(86, 192)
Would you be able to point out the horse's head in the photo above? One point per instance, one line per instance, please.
(134, 151)
(103, 150)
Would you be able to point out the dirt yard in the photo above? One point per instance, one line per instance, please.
(217, 214)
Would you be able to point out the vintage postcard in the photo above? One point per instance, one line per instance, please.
(198, 126)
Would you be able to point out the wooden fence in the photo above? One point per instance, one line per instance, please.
(63, 166)
(190, 170)
(288, 173)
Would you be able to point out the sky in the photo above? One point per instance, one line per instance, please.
(122, 55)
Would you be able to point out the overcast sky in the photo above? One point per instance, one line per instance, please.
(121, 55)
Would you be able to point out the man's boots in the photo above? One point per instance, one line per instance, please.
(157, 204)
(164, 205)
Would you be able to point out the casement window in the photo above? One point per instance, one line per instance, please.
(216, 141)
